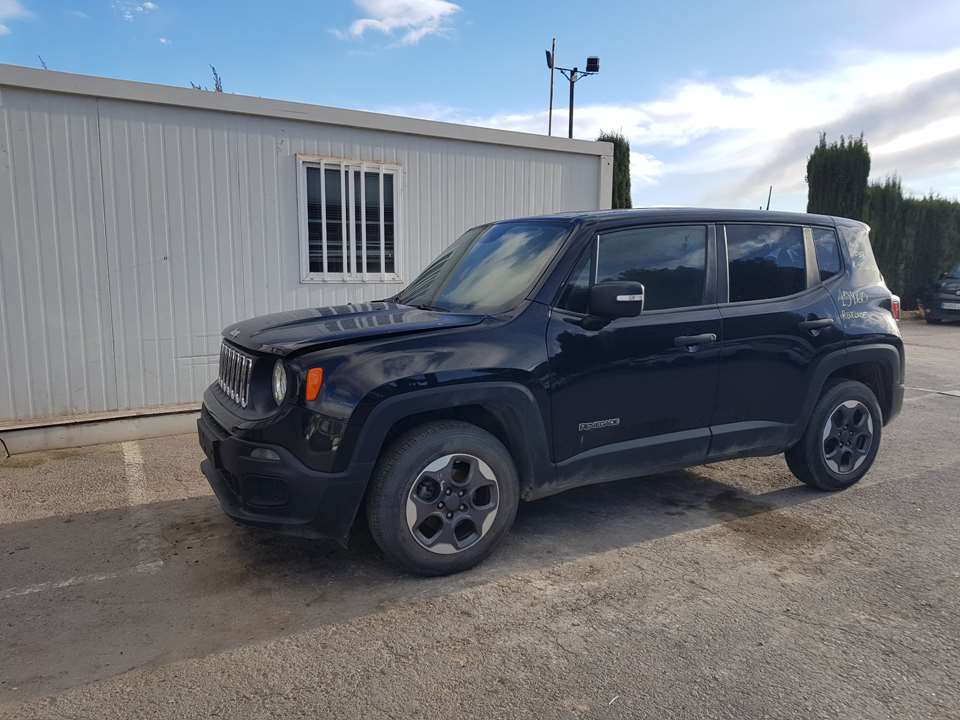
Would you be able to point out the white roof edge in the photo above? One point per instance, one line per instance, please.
(89, 85)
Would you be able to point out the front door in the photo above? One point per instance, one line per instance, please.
(637, 393)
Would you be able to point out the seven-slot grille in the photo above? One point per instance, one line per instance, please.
(235, 371)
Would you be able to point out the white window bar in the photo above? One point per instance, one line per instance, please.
(352, 182)
(343, 219)
(383, 228)
(363, 219)
(323, 215)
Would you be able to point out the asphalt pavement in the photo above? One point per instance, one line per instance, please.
(725, 591)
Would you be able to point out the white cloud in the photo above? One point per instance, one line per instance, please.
(164, 41)
(725, 141)
(130, 9)
(413, 20)
(11, 10)
(644, 168)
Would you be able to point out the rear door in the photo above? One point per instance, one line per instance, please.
(628, 393)
(778, 321)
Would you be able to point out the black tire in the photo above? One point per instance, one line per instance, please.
(407, 462)
(933, 320)
(841, 404)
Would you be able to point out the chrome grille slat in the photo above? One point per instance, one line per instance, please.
(235, 373)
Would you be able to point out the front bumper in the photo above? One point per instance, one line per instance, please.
(281, 494)
(942, 308)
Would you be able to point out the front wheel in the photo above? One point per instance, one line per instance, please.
(442, 498)
(842, 439)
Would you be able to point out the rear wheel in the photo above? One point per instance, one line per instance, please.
(442, 497)
(841, 440)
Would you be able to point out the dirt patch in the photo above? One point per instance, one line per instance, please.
(30, 460)
(730, 502)
(777, 528)
(762, 527)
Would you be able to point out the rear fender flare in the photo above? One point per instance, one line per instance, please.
(886, 355)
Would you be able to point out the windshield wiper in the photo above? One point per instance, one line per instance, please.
(431, 308)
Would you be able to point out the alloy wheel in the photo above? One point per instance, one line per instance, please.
(452, 504)
(847, 437)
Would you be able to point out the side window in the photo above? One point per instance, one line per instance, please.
(863, 265)
(828, 252)
(765, 261)
(576, 293)
(671, 263)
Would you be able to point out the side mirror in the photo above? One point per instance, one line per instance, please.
(616, 299)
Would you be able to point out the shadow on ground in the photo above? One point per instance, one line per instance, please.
(221, 585)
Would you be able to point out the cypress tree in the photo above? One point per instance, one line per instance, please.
(837, 177)
(885, 212)
(621, 169)
(914, 239)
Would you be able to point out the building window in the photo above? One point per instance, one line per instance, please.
(349, 224)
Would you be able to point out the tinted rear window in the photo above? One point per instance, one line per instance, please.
(828, 252)
(765, 261)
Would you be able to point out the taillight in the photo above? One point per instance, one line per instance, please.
(314, 383)
(895, 307)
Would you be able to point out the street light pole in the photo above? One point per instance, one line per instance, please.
(572, 75)
(551, 60)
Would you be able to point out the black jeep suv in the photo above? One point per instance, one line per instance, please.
(541, 354)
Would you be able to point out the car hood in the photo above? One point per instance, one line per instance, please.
(287, 332)
(947, 286)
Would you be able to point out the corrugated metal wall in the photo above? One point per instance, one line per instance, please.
(131, 233)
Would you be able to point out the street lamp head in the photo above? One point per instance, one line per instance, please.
(593, 64)
(549, 59)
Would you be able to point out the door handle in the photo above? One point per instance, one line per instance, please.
(689, 341)
(816, 323)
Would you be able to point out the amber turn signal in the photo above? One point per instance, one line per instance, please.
(314, 382)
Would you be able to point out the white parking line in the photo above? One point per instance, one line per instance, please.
(137, 500)
(133, 469)
(951, 393)
(144, 568)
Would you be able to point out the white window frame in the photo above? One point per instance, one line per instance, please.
(352, 273)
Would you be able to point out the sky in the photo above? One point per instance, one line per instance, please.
(719, 100)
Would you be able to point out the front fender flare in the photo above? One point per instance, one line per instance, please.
(513, 404)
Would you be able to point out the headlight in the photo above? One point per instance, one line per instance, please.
(279, 382)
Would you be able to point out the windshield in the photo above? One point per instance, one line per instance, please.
(488, 270)
(953, 272)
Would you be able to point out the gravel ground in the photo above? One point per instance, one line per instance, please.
(723, 591)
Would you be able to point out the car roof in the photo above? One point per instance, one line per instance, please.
(688, 214)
